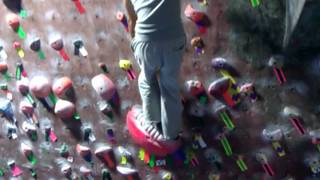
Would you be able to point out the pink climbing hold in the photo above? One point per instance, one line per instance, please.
(105, 154)
(103, 86)
(13, 21)
(53, 136)
(26, 108)
(23, 85)
(64, 109)
(82, 150)
(40, 86)
(16, 171)
(199, 18)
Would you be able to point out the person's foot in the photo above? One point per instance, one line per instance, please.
(150, 129)
(153, 132)
(148, 135)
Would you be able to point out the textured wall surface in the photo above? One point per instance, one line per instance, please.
(106, 41)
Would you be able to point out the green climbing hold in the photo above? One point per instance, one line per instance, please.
(106, 174)
(76, 116)
(23, 13)
(242, 165)
(31, 158)
(30, 99)
(169, 161)
(203, 99)
(1, 172)
(255, 3)
(63, 149)
(226, 146)
(53, 98)
(34, 137)
(4, 87)
(41, 55)
(33, 173)
(21, 33)
(152, 161)
(6, 76)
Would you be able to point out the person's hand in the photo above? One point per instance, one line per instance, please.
(132, 17)
(131, 25)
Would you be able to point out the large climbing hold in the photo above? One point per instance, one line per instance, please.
(225, 69)
(199, 18)
(218, 87)
(141, 137)
(64, 109)
(127, 172)
(105, 153)
(103, 86)
(224, 88)
(63, 88)
(40, 86)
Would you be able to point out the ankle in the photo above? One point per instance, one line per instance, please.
(176, 138)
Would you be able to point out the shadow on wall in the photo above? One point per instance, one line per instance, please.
(304, 43)
(13, 5)
(74, 128)
(256, 33)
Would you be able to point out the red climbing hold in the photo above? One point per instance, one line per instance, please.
(140, 137)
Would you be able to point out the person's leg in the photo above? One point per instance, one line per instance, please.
(171, 106)
(148, 57)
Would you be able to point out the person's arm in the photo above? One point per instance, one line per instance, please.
(132, 17)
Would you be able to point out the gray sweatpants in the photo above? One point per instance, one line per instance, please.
(158, 82)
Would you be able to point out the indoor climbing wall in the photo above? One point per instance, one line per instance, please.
(240, 122)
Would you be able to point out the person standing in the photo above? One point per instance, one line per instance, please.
(158, 44)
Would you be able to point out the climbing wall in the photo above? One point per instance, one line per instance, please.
(64, 150)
